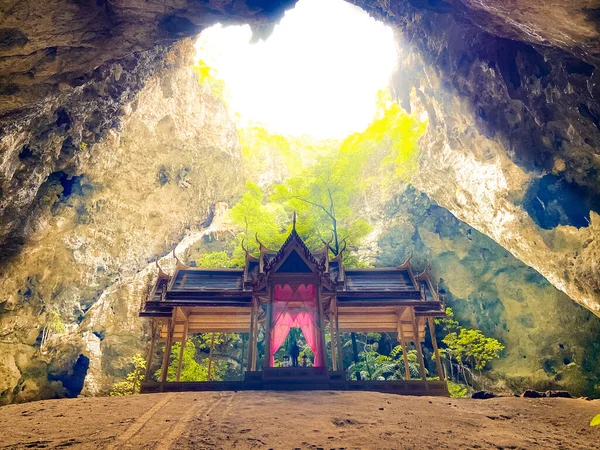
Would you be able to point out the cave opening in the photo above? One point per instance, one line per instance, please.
(325, 83)
(73, 381)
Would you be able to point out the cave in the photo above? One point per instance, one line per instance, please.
(73, 381)
(552, 201)
(132, 137)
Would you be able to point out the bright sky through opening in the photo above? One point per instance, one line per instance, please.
(318, 74)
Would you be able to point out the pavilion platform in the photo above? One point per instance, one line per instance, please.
(302, 379)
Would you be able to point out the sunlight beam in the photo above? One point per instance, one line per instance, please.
(318, 74)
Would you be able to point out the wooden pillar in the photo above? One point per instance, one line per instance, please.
(438, 361)
(332, 338)
(403, 344)
(321, 320)
(151, 351)
(168, 344)
(268, 327)
(210, 357)
(182, 348)
(338, 342)
(251, 343)
(255, 336)
(417, 342)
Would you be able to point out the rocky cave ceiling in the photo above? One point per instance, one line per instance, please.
(91, 94)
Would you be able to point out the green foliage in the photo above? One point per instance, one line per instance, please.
(391, 138)
(282, 154)
(133, 381)
(257, 217)
(54, 322)
(325, 196)
(328, 185)
(214, 260)
(208, 76)
(448, 323)
(191, 368)
(474, 346)
(374, 366)
(195, 360)
(466, 348)
(457, 390)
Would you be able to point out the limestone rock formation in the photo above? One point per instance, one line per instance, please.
(111, 152)
(133, 196)
(513, 136)
(54, 46)
(550, 341)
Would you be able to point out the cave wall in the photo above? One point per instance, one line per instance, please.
(138, 193)
(512, 141)
(52, 47)
(550, 342)
(69, 70)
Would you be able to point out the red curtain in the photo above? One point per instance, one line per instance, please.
(286, 316)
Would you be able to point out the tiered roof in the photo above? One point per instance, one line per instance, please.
(189, 286)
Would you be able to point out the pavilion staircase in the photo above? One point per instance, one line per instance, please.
(295, 378)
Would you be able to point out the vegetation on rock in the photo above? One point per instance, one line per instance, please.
(466, 349)
(132, 383)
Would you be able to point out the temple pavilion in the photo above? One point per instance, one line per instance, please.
(294, 287)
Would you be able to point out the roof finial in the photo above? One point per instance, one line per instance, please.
(161, 272)
(179, 264)
(294, 221)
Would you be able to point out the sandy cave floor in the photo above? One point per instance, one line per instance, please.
(299, 420)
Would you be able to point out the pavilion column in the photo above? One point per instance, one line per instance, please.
(268, 327)
(151, 350)
(255, 336)
(184, 338)
(321, 327)
(167, 353)
(338, 342)
(417, 342)
(252, 338)
(438, 362)
(332, 339)
(403, 345)
(210, 355)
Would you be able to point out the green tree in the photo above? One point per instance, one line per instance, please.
(466, 349)
(325, 196)
(191, 369)
(54, 325)
(133, 381)
(257, 217)
(328, 189)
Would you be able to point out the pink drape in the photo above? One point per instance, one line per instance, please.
(286, 316)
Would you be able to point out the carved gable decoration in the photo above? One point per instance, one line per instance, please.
(294, 257)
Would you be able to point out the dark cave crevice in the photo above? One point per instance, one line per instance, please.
(74, 380)
(552, 201)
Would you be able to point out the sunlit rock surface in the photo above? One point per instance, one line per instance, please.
(134, 197)
(513, 136)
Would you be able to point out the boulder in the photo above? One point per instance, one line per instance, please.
(530, 393)
(561, 394)
(483, 395)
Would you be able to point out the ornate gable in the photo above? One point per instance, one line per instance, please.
(294, 257)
